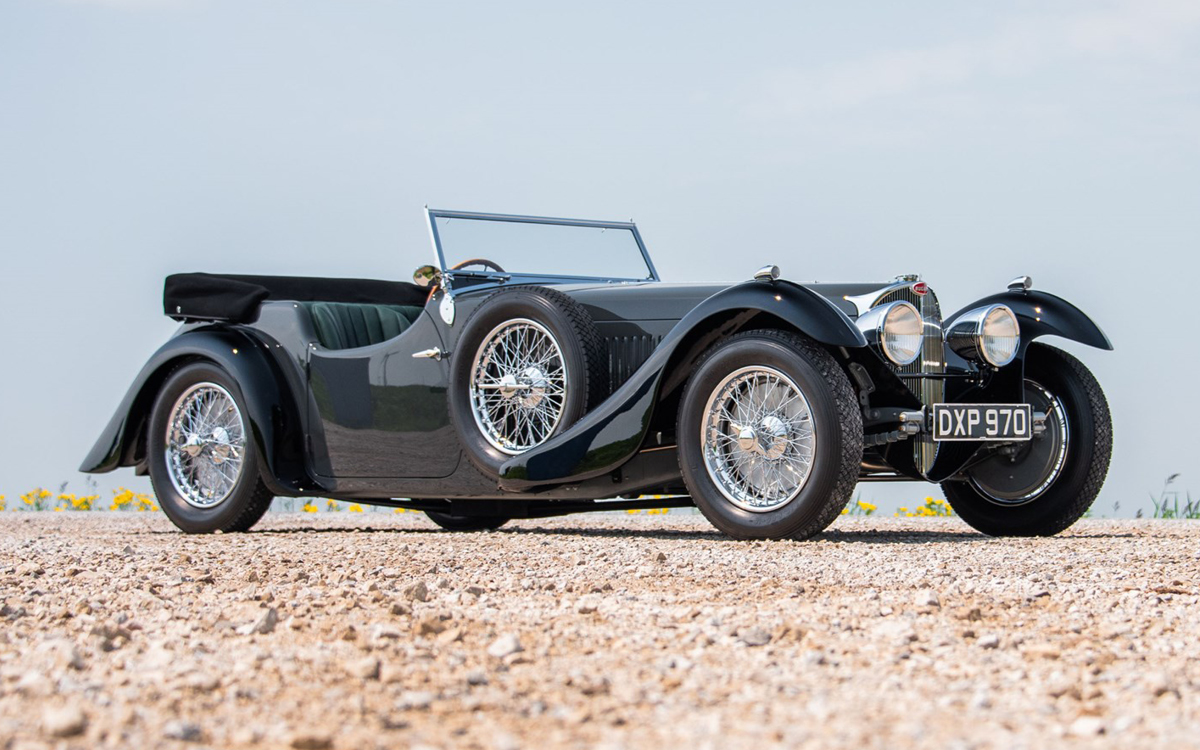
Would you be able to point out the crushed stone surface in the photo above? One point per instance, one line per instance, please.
(607, 630)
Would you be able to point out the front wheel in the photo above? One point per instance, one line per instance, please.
(770, 436)
(1048, 483)
(203, 464)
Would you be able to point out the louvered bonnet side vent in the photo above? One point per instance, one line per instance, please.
(625, 355)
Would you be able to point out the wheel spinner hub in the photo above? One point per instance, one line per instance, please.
(767, 438)
(205, 445)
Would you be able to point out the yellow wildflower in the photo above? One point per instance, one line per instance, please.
(35, 499)
(69, 501)
(309, 507)
(121, 498)
(355, 508)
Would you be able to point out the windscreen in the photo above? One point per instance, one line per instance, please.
(533, 248)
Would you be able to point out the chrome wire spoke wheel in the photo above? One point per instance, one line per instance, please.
(518, 385)
(758, 438)
(205, 445)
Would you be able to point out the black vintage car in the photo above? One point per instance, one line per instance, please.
(542, 368)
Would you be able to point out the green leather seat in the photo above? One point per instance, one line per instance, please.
(346, 325)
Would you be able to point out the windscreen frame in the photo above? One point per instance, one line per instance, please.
(432, 215)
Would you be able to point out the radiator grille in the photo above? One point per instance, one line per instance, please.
(931, 362)
(626, 354)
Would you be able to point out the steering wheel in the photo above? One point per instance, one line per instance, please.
(470, 262)
(478, 262)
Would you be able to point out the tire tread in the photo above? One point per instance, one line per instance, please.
(256, 508)
(595, 351)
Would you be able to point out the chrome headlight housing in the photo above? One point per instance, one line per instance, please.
(897, 329)
(989, 334)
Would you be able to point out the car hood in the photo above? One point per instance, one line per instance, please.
(656, 300)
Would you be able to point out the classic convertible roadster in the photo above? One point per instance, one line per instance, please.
(540, 368)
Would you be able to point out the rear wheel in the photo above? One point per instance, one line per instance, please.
(203, 464)
(1048, 483)
(770, 436)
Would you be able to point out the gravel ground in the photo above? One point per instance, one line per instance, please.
(376, 630)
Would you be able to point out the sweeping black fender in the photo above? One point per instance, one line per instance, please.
(611, 434)
(1044, 314)
(272, 412)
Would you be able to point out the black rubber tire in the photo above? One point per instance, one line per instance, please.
(1084, 468)
(837, 424)
(583, 351)
(250, 497)
(466, 523)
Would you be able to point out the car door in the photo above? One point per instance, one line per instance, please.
(376, 411)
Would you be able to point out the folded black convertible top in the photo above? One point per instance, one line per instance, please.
(233, 298)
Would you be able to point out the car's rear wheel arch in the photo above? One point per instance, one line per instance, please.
(274, 418)
(134, 450)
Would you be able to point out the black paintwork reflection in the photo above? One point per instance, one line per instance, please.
(382, 412)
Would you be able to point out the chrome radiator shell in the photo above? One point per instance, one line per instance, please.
(931, 390)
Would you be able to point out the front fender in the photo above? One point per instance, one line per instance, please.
(272, 412)
(1044, 314)
(611, 434)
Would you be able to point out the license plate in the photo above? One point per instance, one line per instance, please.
(1006, 422)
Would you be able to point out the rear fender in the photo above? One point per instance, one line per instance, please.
(612, 433)
(1044, 314)
(272, 412)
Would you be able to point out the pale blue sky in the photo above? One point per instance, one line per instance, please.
(843, 141)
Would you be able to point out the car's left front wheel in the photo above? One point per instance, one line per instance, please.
(203, 464)
(770, 436)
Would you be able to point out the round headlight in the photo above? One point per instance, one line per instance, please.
(999, 336)
(900, 331)
(990, 334)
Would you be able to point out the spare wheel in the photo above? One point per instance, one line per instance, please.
(528, 365)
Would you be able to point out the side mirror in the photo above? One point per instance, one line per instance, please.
(427, 275)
